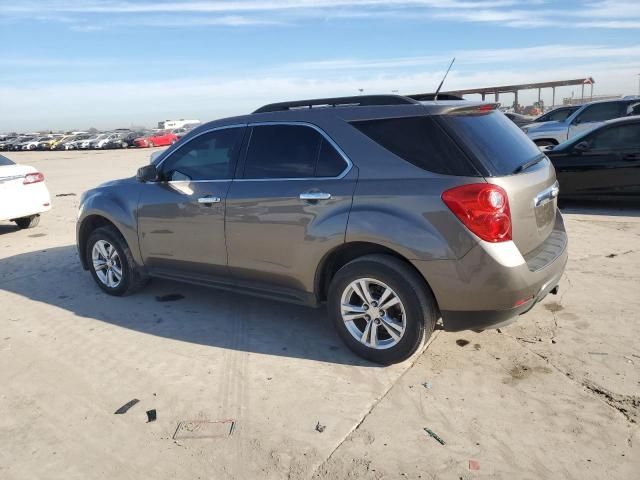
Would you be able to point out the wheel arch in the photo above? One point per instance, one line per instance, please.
(345, 253)
(88, 225)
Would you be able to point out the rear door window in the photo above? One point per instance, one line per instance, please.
(291, 151)
(494, 140)
(419, 141)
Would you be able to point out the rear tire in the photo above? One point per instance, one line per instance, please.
(111, 263)
(31, 221)
(544, 143)
(415, 310)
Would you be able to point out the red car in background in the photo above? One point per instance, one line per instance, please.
(158, 139)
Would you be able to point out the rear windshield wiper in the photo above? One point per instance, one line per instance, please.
(529, 164)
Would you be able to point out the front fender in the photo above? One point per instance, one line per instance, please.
(119, 208)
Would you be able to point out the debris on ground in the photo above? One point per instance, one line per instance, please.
(172, 297)
(474, 465)
(461, 342)
(151, 415)
(124, 408)
(204, 429)
(320, 428)
(427, 385)
(433, 435)
(66, 195)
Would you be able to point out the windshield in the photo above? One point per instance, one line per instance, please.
(494, 140)
(4, 161)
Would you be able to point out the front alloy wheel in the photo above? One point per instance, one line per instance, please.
(373, 313)
(107, 264)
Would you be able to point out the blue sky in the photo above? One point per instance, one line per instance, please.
(79, 63)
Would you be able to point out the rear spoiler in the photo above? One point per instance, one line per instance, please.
(477, 109)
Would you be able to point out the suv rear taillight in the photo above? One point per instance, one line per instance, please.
(483, 208)
(30, 178)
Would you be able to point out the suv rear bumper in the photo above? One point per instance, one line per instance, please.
(493, 284)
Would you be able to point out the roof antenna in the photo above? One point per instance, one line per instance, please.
(443, 79)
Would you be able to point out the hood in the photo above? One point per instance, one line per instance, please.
(121, 181)
(538, 126)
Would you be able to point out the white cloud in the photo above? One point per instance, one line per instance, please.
(115, 104)
(606, 14)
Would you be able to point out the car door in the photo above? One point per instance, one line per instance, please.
(610, 165)
(593, 115)
(181, 216)
(287, 208)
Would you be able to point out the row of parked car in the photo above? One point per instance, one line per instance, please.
(122, 138)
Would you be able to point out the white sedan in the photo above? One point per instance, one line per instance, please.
(23, 194)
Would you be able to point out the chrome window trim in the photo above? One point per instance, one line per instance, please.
(224, 127)
(347, 160)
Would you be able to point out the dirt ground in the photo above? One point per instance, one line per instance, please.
(555, 395)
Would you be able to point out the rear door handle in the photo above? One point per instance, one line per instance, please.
(315, 196)
(209, 200)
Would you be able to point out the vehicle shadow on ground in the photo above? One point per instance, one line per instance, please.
(618, 208)
(8, 228)
(178, 311)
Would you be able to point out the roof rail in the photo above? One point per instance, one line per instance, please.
(361, 101)
(425, 97)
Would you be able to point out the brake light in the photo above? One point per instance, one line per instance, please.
(483, 208)
(33, 178)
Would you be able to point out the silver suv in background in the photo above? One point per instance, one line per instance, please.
(393, 212)
(585, 118)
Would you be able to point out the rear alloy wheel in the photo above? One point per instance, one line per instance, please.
(28, 222)
(382, 309)
(111, 263)
(373, 313)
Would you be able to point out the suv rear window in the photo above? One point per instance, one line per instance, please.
(494, 140)
(4, 161)
(421, 142)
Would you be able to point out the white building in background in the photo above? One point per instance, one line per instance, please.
(171, 124)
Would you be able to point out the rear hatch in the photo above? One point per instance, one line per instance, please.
(508, 158)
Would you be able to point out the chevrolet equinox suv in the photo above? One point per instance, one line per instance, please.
(392, 211)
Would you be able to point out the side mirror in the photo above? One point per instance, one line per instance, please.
(582, 147)
(577, 121)
(148, 173)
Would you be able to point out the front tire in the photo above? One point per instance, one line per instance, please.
(382, 309)
(111, 263)
(31, 221)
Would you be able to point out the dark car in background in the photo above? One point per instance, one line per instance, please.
(392, 211)
(604, 162)
(518, 119)
(556, 115)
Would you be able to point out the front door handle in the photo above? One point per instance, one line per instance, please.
(209, 200)
(315, 196)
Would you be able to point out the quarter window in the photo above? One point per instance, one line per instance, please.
(423, 143)
(290, 151)
(210, 156)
